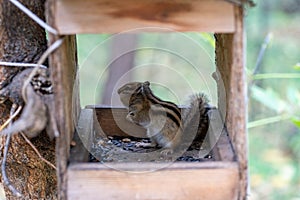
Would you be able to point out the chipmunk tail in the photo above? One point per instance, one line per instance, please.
(195, 117)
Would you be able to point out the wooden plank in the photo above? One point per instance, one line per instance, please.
(146, 166)
(223, 150)
(232, 88)
(170, 183)
(113, 16)
(113, 122)
(63, 72)
(63, 65)
(83, 137)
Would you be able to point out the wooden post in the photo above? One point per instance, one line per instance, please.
(63, 74)
(230, 63)
(63, 64)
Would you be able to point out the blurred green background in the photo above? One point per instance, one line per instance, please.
(182, 64)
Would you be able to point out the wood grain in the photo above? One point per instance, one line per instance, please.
(63, 73)
(231, 73)
(113, 122)
(223, 150)
(63, 64)
(94, 181)
(113, 16)
(83, 137)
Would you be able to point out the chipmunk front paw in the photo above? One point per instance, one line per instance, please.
(166, 152)
(145, 145)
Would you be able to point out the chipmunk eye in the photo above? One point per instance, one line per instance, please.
(131, 114)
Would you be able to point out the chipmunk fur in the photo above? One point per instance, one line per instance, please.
(167, 126)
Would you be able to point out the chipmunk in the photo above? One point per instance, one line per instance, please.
(164, 121)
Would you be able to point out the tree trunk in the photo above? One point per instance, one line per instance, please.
(122, 55)
(22, 40)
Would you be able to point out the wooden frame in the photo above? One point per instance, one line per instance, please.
(67, 17)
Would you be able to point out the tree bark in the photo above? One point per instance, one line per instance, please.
(122, 55)
(23, 40)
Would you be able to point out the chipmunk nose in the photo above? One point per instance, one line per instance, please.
(119, 90)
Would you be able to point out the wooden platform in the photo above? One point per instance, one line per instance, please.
(147, 180)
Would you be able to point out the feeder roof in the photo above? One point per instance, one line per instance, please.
(242, 2)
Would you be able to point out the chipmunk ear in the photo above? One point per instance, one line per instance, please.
(147, 83)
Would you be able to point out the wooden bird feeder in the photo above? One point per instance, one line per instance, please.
(223, 178)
